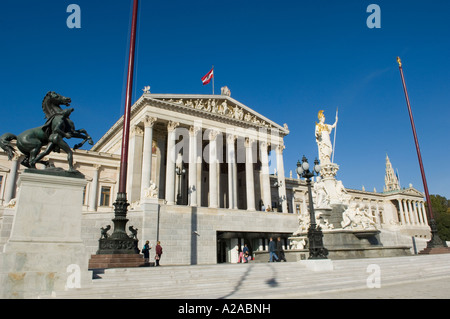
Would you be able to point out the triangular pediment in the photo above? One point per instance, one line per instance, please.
(412, 191)
(218, 106)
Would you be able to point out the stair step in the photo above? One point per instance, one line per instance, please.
(255, 280)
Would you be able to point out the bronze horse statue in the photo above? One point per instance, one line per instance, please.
(51, 134)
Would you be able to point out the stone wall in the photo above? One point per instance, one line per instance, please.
(188, 235)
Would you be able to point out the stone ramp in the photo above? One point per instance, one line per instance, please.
(262, 280)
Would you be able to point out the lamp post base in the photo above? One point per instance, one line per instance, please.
(119, 242)
(315, 239)
(122, 246)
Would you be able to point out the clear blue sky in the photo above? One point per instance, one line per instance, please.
(285, 59)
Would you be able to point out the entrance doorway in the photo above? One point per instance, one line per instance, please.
(255, 241)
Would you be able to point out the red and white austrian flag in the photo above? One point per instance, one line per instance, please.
(207, 78)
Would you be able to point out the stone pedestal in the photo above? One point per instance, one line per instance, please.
(45, 252)
(328, 173)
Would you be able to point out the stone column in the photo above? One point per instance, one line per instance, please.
(135, 164)
(424, 213)
(170, 167)
(411, 212)
(266, 196)
(94, 189)
(402, 217)
(11, 180)
(405, 208)
(249, 176)
(281, 178)
(199, 172)
(293, 208)
(213, 196)
(416, 212)
(147, 154)
(193, 133)
(231, 160)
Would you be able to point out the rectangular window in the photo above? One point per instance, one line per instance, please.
(105, 195)
(84, 194)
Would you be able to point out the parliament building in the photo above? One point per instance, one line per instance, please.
(200, 181)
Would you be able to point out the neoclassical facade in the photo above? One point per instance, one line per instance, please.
(205, 173)
(207, 151)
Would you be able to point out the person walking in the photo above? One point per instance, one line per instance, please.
(159, 252)
(245, 253)
(280, 251)
(272, 250)
(146, 251)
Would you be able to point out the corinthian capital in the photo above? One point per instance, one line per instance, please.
(249, 142)
(280, 148)
(172, 125)
(231, 138)
(193, 130)
(149, 121)
(213, 135)
(136, 130)
(264, 144)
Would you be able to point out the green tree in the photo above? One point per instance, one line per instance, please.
(441, 212)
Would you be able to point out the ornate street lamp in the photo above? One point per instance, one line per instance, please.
(315, 236)
(179, 171)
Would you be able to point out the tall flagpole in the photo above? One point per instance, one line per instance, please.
(213, 78)
(435, 241)
(129, 90)
(119, 242)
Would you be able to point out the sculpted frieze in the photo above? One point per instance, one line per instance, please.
(220, 107)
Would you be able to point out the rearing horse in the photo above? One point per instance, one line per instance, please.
(57, 127)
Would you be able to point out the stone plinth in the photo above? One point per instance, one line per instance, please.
(45, 252)
(435, 250)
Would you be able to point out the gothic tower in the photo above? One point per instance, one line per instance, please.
(391, 182)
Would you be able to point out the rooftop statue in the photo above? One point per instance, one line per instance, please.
(51, 135)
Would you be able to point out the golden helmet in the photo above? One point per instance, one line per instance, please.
(321, 115)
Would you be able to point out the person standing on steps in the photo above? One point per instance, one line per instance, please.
(272, 249)
(159, 252)
(280, 251)
(146, 251)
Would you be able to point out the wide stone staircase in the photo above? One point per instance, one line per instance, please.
(259, 280)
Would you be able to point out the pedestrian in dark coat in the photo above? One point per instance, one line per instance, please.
(146, 251)
(280, 251)
(159, 252)
(272, 250)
